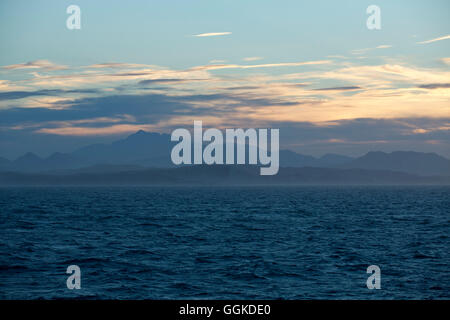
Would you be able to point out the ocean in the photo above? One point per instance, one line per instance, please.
(225, 242)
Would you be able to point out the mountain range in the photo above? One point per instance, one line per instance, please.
(152, 150)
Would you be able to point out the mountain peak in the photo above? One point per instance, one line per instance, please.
(27, 160)
(28, 155)
(138, 134)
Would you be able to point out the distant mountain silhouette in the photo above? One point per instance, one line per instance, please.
(404, 161)
(147, 149)
(28, 160)
(143, 148)
(139, 149)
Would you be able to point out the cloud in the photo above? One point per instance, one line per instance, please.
(12, 95)
(98, 77)
(435, 39)
(234, 99)
(70, 123)
(252, 58)
(384, 46)
(366, 50)
(217, 61)
(253, 66)
(445, 60)
(96, 131)
(339, 88)
(434, 86)
(6, 85)
(360, 51)
(121, 78)
(380, 75)
(37, 64)
(107, 65)
(336, 57)
(166, 80)
(212, 34)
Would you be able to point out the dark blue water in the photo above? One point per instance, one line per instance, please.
(237, 243)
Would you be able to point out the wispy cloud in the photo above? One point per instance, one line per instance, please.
(266, 65)
(445, 60)
(96, 131)
(435, 86)
(167, 80)
(212, 34)
(217, 61)
(6, 85)
(435, 39)
(348, 88)
(13, 95)
(366, 50)
(252, 58)
(336, 57)
(108, 65)
(360, 51)
(37, 64)
(384, 46)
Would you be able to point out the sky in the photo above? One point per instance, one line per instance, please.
(313, 69)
